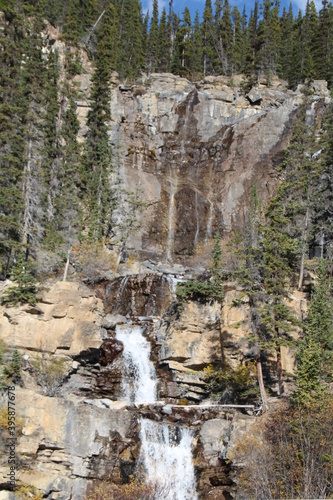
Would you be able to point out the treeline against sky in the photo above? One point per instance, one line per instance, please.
(224, 42)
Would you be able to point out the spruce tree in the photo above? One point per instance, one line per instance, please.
(164, 45)
(197, 67)
(315, 353)
(25, 289)
(153, 40)
(207, 33)
(130, 61)
(280, 255)
(12, 144)
(98, 150)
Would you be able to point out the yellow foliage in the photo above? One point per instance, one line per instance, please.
(19, 422)
(28, 492)
(132, 491)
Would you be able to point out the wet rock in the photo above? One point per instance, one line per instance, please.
(137, 295)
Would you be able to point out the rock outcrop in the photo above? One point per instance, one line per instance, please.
(192, 152)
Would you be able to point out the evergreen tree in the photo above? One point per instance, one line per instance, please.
(98, 151)
(295, 72)
(207, 33)
(184, 46)
(164, 45)
(25, 289)
(51, 151)
(315, 355)
(280, 255)
(130, 51)
(12, 145)
(309, 33)
(268, 40)
(227, 39)
(286, 61)
(33, 75)
(197, 67)
(153, 43)
(322, 223)
(239, 44)
(323, 44)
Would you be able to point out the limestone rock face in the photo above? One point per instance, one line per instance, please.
(65, 445)
(194, 151)
(67, 321)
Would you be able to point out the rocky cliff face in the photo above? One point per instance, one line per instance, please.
(83, 434)
(194, 151)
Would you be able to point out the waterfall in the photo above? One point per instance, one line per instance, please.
(138, 384)
(121, 290)
(167, 458)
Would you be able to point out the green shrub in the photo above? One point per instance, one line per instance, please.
(209, 287)
(230, 385)
(25, 289)
(12, 370)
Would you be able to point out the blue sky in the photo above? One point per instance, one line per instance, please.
(193, 5)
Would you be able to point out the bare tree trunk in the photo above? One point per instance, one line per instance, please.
(305, 235)
(67, 264)
(261, 385)
(279, 370)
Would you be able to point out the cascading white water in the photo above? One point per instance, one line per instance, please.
(167, 458)
(139, 383)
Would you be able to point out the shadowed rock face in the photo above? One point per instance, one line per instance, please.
(137, 295)
(195, 151)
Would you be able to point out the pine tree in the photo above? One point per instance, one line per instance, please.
(323, 44)
(286, 62)
(239, 43)
(130, 61)
(309, 33)
(51, 151)
(280, 255)
(227, 39)
(98, 151)
(33, 75)
(12, 144)
(315, 354)
(197, 47)
(164, 45)
(268, 40)
(25, 289)
(322, 222)
(153, 39)
(295, 72)
(207, 33)
(184, 47)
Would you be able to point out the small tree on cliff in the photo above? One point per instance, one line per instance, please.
(203, 289)
(26, 289)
